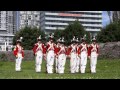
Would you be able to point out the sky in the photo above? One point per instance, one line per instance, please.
(105, 19)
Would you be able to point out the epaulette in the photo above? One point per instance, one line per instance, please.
(15, 48)
(35, 44)
(97, 45)
(22, 48)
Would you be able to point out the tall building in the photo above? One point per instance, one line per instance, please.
(29, 18)
(116, 15)
(7, 28)
(52, 20)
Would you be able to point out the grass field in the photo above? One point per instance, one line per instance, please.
(106, 69)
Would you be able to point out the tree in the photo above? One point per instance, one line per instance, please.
(73, 29)
(57, 34)
(117, 34)
(30, 36)
(110, 33)
(88, 37)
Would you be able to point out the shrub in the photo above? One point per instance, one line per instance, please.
(3, 57)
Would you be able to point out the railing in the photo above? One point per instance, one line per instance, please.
(7, 48)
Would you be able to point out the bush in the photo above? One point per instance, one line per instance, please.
(3, 57)
(9, 56)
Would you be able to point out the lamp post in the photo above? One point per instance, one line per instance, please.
(5, 43)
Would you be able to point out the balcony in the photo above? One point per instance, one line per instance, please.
(93, 30)
(94, 25)
(54, 28)
(7, 35)
(83, 15)
(87, 11)
(54, 23)
(70, 19)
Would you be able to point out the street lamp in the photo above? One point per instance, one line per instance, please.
(5, 43)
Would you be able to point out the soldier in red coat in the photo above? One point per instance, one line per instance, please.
(62, 56)
(93, 54)
(78, 56)
(39, 52)
(19, 54)
(50, 47)
(57, 48)
(72, 51)
(83, 51)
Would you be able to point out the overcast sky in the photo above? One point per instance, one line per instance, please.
(105, 19)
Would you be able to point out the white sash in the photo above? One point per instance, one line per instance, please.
(94, 48)
(84, 47)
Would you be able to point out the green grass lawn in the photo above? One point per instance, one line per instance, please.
(106, 69)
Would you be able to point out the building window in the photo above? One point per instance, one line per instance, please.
(29, 17)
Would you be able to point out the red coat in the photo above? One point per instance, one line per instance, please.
(16, 49)
(92, 48)
(50, 47)
(77, 48)
(37, 48)
(64, 51)
(57, 49)
(70, 50)
(82, 48)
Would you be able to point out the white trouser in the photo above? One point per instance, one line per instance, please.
(61, 63)
(18, 63)
(56, 64)
(93, 62)
(38, 61)
(83, 61)
(78, 64)
(50, 61)
(73, 62)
